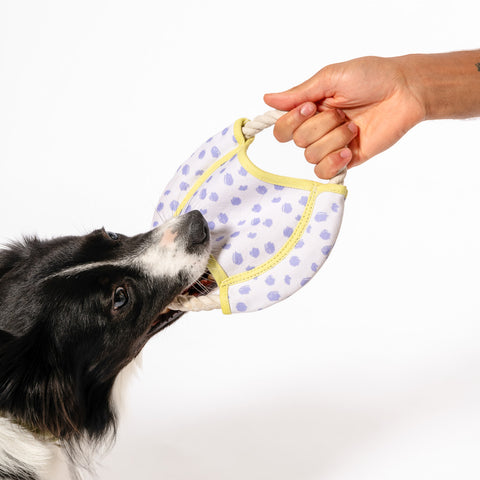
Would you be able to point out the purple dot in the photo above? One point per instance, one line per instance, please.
(335, 207)
(269, 247)
(262, 190)
(241, 307)
(257, 208)
(201, 154)
(234, 139)
(209, 140)
(276, 200)
(198, 173)
(254, 252)
(294, 261)
(252, 235)
(224, 131)
(185, 170)
(188, 209)
(268, 222)
(228, 179)
(300, 244)
(167, 192)
(241, 222)
(155, 224)
(173, 205)
(215, 152)
(255, 221)
(236, 201)
(234, 234)
(250, 267)
(287, 208)
(160, 207)
(203, 193)
(245, 290)
(270, 280)
(211, 226)
(303, 200)
(288, 231)
(304, 281)
(227, 246)
(184, 186)
(273, 296)
(219, 239)
(279, 187)
(242, 188)
(223, 218)
(287, 279)
(326, 250)
(314, 267)
(203, 211)
(213, 197)
(321, 217)
(242, 172)
(237, 258)
(325, 235)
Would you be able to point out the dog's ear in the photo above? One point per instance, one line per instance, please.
(8, 260)
(11, 256)
(5, 337)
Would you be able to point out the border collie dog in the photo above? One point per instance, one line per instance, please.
(74, 312)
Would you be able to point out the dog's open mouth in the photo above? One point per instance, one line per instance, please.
(203, 286)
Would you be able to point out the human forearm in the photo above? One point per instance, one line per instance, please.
(447, 84)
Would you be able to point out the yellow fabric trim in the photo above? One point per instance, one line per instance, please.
(278, 179)
(286, 248)
(220, 276)
(203, 178)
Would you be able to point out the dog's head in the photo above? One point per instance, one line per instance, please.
(75, 310)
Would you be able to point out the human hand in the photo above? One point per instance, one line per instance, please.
(348, 112)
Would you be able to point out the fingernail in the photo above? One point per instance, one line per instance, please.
(307, 109)
(353, 128)
(346, 153)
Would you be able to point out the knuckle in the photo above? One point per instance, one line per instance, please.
(279, 132)
(299, 139)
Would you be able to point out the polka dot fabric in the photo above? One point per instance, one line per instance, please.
(269, 234)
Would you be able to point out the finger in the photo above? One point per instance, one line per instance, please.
(317, 127)
(332, 142)
(333, 163)
(288, 123)
(312, 90)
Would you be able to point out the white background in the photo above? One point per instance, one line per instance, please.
(372, 371)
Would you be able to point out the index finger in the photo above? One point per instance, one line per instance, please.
(288, 123)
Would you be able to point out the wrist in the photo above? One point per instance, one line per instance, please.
(447, 85)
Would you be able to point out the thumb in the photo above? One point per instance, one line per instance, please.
(312, 90)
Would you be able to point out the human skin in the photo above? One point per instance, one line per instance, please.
(349, 112)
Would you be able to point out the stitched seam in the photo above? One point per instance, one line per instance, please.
(284, 251)
(204, 177)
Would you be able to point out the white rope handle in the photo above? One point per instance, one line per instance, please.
(189, 303)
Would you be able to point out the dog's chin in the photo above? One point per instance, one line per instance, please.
(202, 286)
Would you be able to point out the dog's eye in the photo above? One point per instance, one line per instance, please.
(112, 235)
(120, 298)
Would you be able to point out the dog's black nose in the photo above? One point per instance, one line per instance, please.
(198, 231)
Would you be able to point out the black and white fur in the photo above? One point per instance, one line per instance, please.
(74, 312)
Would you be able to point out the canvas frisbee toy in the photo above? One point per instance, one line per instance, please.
(270, 234)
